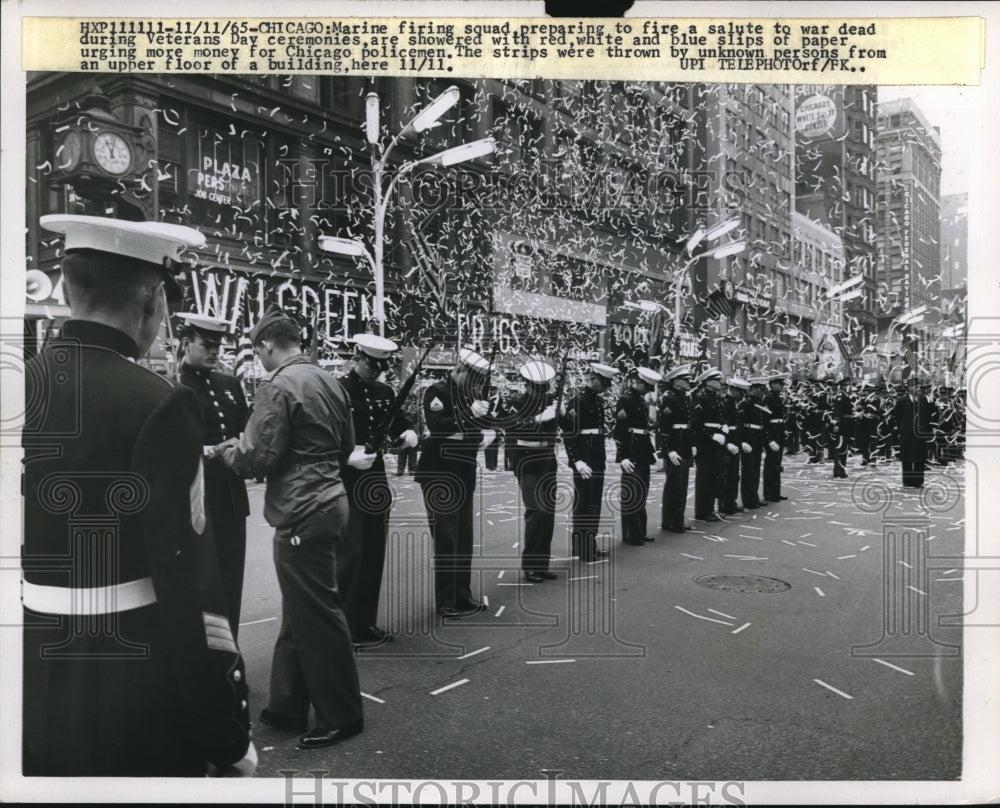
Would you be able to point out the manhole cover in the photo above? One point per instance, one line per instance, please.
(754, 584)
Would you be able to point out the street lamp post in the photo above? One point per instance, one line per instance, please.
(423, 120)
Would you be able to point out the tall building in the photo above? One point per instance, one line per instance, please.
(954, 241)
(746, 167)
(908, 226)
(835, 130)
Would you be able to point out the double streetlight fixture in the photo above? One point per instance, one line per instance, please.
(426, 119)
(721, 251)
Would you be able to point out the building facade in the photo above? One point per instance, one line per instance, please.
(908, 223)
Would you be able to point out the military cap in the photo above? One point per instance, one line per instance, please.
(156, 243)
(648, 375)
(271, 316)
(738, 383)
(374, 346)
(473, 361)
(776, 377)
(681, 372)
(708, 375)
(758, 381)
(210, 329)
(605, 371)
(537, 371)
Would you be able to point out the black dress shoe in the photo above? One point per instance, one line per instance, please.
(470, 606)
(371, 636)
(752, 507)
(282, 722)
(649, 538)
(634, 543)
(449, 611)
(713, 518)
(548, 575)
(673, 530)
(321, 736)
(781, 498)
(763, 502)
(534, 576)
(600, 553)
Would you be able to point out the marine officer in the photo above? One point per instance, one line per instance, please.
(361, 552)
(674, 425)
(224, 408)
(635, 454)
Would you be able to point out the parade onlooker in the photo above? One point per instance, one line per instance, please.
(300, 436)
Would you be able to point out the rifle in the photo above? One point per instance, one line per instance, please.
(381, 433)
(561, 384)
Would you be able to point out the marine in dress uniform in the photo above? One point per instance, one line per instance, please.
(584, 434)
(774, 433)
(455, 411)
(300, 436)
(708, 428)
(674, 426)
(635, 454)
(912, 417)
(225, 411)
(361, 552)
(841, 417)
(130, 666)
(814, 422)
(754, 416)
(532, 427)
(736, 389)
(867, 423)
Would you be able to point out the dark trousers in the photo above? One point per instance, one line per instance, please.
(537, 480)
(407, 460)
(674, 495)
(750, 477)
(634, 493)
(230, 532)
(313, 656)
(729, 488)
(812, 440)
(913, 473)
(772, 474)
(706, 479)
(864, 438)
(791, 437)
(449, 516)
(361, 551)
(839, 445)
(587, 496)
(491, 454)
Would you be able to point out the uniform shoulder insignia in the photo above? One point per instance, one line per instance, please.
(436, 404)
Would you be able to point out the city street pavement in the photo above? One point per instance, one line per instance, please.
(630, 669)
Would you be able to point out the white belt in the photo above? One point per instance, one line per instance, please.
(679, 426)
(533, 444)
(713, 426)
(590, 432)
(456, 436)
(777, 420)
(753, 426)
(95, 600)
(635, 431)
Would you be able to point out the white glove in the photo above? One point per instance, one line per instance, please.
(658, 466)
(694, 451)
(747, 448)
(360, 459)
(773, 446)
(628, 466)
(480, 408)
(583, 469)
(674, 458)
(719, 438)
(410, 439)
(241, 768)
(733, 448)
(546, 415)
